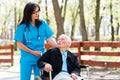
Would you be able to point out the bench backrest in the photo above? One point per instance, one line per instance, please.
(85, 55)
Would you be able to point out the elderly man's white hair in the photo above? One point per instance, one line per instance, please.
(67, 38)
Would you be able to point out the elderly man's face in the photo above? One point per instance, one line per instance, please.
(62, 42)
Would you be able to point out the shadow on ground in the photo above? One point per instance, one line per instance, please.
(102, 74)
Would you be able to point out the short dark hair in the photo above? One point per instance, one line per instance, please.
(28, 10)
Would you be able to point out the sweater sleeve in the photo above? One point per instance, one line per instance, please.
(44, 59)
(76, 66)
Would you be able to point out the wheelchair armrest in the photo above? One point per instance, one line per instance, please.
(86, 67)
(83, 66)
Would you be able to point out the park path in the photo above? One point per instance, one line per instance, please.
(8, 72)
(12, 72)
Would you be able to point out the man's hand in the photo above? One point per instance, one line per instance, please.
(74, 76)
(48, 67)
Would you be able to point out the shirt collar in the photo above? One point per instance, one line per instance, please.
(64, 53)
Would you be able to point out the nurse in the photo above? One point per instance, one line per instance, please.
(30, 36)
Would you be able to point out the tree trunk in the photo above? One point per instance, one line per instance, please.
(74, 17)
(111, 20)
(82, 21)
(58, 18)
(15, 24)
(117, 33)
(97, 21)
(46, 10)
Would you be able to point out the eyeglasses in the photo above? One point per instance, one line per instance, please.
(35, 12)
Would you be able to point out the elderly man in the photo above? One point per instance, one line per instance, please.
(63, 64)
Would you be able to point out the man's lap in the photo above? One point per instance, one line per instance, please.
(64, 76)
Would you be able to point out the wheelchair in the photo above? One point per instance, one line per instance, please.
(85, 77)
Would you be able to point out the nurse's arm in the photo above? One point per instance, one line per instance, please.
(23, 47)
(52, 42)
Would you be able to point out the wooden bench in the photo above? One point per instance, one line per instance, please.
(6, 54)
(100, 53)
(78, 49)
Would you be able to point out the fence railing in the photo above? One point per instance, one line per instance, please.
(84, 52)
(6, 54)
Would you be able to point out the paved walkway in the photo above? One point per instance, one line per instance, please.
(12, 73)
(8, 72)
(103, 74)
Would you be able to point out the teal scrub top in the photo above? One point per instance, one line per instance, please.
(33, 40)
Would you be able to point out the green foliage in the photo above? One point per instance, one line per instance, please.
(7, 18)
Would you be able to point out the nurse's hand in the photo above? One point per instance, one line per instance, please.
(37, 53)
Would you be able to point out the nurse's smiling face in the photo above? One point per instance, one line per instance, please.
(35, 14)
